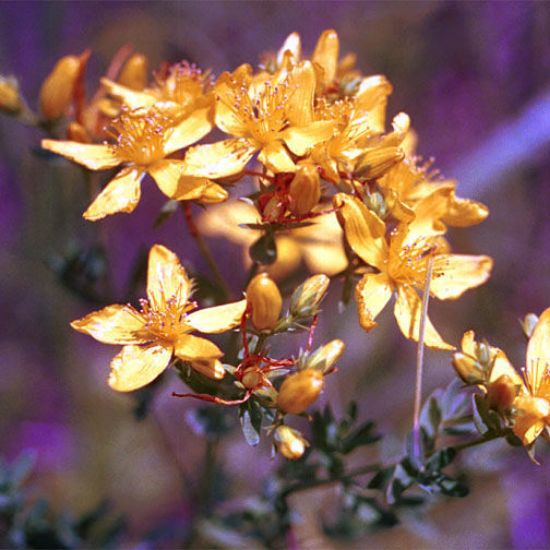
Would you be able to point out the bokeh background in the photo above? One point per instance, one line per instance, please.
(475, 79)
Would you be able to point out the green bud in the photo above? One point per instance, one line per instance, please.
(307, 297)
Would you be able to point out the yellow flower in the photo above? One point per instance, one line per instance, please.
(401, 266)
(269, 118)
(161, 328)
(319, 244)
(143, 141)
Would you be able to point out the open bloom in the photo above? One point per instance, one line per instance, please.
(144, 138)
(162, 327)
(402, 265)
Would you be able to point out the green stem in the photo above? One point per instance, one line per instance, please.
(477, 442)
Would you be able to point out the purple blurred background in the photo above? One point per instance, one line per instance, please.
(474, 79)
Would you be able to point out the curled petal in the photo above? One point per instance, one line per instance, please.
(193, 348)
(301, 140)
(137, 366)
(453, 274)
(408, 310)
(121, 194)
(428, 213)
(190, 130)
(168, 174)
(276, 158)
(213, 194)
(530, 417)
(166, 278)
(116, 324)
(92, 156)
(538, 353)
(218, 160)
(217, 319)
(292, 44)
(326, 55)
(465, 212)
(372, 293)
(503, 367)
(365, 231)
(468, 343)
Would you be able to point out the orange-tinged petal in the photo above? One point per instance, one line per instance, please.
(217, 319)
(166, 278)
(116, 324)
(212, 368)
(538, 352)
(364, 230)
(194, 348)
(326, 54)
(301, 140)
(408, 310)
(190, 130)
(503, 367)
(218, 160)
(121, 194)
(276, 158)
(453, 274)
(92, 156)
(168, 175)
(530, 417)
(372, 293)
(137, 366)
(465, 212)
(299, 107)
(131, 98)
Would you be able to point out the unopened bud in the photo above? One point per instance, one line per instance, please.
(134, 72)
(484, 353)
(290, 443)
(299, 391)
(10, 100)
(468, 369)
(307, 297)
(77, 132)
(213, 194)
(266, 301)
(501, 393)
(273, 209)
(376, 202)
(324, 358)
(211, 368)
(57, 90)
(528, 324)
(304, 190)
(377, 162)
(252, 377)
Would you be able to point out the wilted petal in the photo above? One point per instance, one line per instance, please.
(301, 140)
(217, 319)
(299, 107)
(538, 352)
(218, 160)
(166, 277)
(453, 274)
(465, 212)
(364, 230)
(137, 366)
(276, 158)
(121, 194)
(92, 156)
(131, 98)
(326, 55)
(116, 324)
(194, 348)
(372, 293)
(168, 175)
(190, 130)
(408, 310)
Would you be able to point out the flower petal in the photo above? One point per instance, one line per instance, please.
(190, 130)
(453, 274)
(465, 212)
(137, 366)
(212, 368)
(166, 278)
(275, 157)
(372, 293)
(193, 348)
(92, 156)
(408, 310)
(131, 98)
(326, 55)
(301, 140)
(121, 194)
(226, 220)
(302, 82)
(218, 160)
(168, 175)
(116, 324)
(229, 110)
(364, 230)
(372, 97)
(324, 257)
(292, 44)
(213, 320)
(530, 417)
(538, 352)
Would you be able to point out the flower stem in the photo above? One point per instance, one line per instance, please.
(476, 442)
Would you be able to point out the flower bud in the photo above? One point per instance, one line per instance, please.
(273, 209)
(468, 369)
(299, 391)
(252, 377)
(484, 353)
(213, 194)
(212, 368)
(324, 358)
(290, 443)
(57, 90)
(376, 162)
(10, 99)
(528, 324)
(304, 190)
(501, 393)
(134, 72)
(307, 297)
(265, 300)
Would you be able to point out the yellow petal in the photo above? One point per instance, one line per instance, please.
(364, 230)
(299, 107)
(217, 319)
(429, 211)
(275, 157)
(229, 114)
(168, 175)
(218, 160)
(225, 220)
(468, 343)
(190, 130)
(131, 98)
(503, 367)
(114, 324)
(301, 140)
(538, 352)
(372, 293)
(121, 194)
(465, 212)
(166, 278)
(529, 420)
(372, 97)
(192, 348)
(92, 156)
(408, 309)
(137, 366)
(327, 258)
(212, 368)
(326, 55)
(292, 44)
(453, 274)
(288, 257)
(213, 194)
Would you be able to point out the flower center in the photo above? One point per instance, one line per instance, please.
(166, 321)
